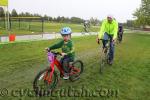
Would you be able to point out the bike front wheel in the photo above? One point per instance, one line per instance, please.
(102, 64)
(41, 85)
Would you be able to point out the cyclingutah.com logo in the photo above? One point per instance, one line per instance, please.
(62, 92)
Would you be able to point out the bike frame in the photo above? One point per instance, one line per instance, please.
(105, 54)
(52, 58)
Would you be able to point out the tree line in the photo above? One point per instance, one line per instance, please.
(60, 19)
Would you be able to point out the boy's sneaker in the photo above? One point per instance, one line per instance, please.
(66, 76)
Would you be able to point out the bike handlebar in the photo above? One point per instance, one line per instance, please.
(56, 53)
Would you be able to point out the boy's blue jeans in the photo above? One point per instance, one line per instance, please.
(65, 63)
(112, 47)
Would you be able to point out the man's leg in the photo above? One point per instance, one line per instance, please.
(105, 40)
(104, 43)
(111, 52)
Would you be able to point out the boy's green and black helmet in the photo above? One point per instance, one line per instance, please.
(66, 31)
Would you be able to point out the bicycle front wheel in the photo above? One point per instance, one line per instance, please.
(103, 59)
(42, 86)
(102, 63)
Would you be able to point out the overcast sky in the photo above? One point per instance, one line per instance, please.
(120, 9)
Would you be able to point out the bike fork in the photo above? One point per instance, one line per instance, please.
(48, 77)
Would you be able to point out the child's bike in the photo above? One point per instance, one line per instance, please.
(47, 79)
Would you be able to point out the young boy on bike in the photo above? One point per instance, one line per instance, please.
(67, 50)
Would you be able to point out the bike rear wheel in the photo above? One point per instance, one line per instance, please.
(41, 86)
(76, 70)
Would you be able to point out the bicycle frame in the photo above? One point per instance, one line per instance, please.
(52, 58)
(53, 61)
(105, 51)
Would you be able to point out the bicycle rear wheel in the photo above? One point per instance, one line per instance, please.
(41, 86)
(76, 70)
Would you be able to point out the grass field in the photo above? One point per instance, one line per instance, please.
(129, 75)
(36, 27)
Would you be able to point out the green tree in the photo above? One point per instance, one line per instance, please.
(21, 14)
(143, 13)
(50, 18)
(76, 20)
(66, 20)
(37, 15)
(2, 13)
(130, 23)
(46, 17)
(58, 19)
(94, 21)
(14, 13)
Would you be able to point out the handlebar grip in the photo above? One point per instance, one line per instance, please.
(48, 49)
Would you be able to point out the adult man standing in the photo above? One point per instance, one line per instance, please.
(107, 32)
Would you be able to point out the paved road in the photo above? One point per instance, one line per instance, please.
(45, 36)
